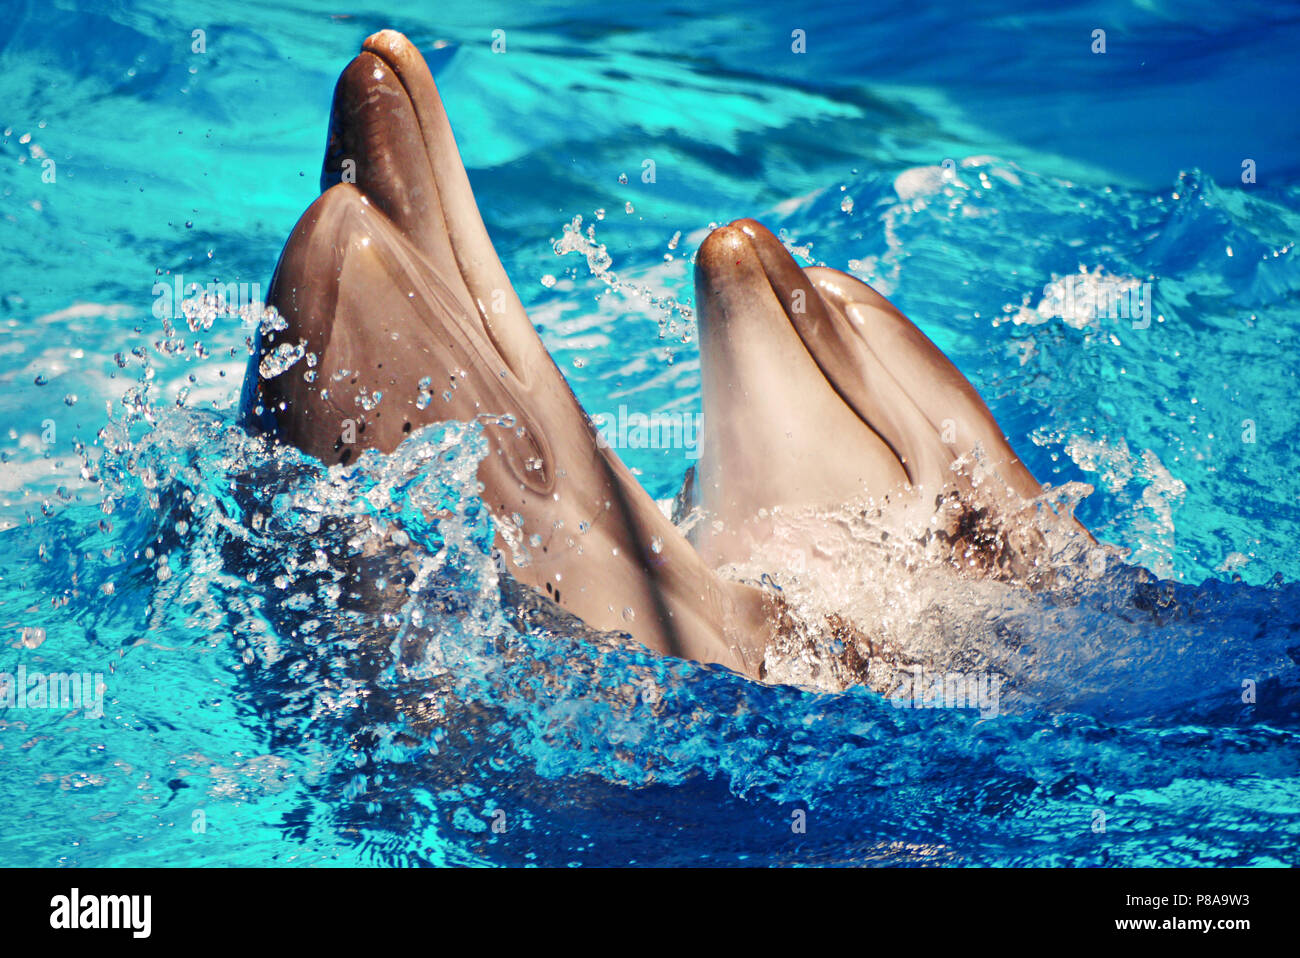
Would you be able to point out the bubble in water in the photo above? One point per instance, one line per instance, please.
(548, 280)
(622, 178)
(846, 204)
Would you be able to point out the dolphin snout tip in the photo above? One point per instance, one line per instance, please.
(750, 227)
(727, 246)
(738, 249)
(389, 45)
(722, 257)
(722, 247)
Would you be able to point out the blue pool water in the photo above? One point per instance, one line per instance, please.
(250, 717)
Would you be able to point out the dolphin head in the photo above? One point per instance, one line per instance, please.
(390, 284)
(391, 292)
(817, 391)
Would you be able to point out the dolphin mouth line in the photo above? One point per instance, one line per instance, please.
(831, 380)
(540, 480)
(374, 49)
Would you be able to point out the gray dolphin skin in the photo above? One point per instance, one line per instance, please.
(817, 391)
(392, 282)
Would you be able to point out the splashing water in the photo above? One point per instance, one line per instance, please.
(309, 665)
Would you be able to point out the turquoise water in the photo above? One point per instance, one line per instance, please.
(253, 716)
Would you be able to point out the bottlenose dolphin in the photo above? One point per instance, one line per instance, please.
(391, 288)
(817, 391)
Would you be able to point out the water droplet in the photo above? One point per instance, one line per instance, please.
(426, 396)
(280, 359)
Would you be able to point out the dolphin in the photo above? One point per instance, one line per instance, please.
(391, 288)
(817, 391)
